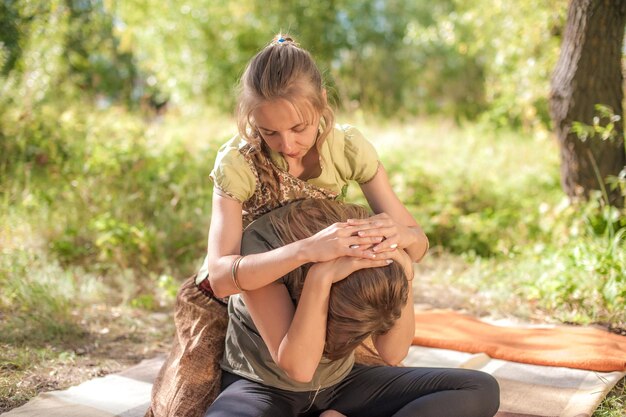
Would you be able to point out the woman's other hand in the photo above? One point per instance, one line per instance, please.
(337, 269)
(404, 260)
(389, 233)
(340, 239)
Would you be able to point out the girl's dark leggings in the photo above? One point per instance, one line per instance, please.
(368, 391)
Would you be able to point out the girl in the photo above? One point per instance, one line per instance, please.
(288, 148)
(295, 358)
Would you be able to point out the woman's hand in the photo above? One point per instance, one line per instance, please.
(391, 234)
(337, 269)
(340, 239)
(404, 260)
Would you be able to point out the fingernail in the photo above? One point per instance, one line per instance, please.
(389, 261)
(393, 245)
(360, 233)
(354, 246)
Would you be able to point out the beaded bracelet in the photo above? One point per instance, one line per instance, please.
(233, 273)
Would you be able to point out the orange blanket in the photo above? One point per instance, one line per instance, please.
(566, 346)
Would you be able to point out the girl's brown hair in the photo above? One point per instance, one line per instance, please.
(367, 302)
(283, 70)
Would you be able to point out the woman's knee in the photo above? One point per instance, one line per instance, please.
(244, 407)
(480, 390)
(487, 389)
(245, 398)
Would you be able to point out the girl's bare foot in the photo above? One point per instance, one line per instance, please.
(331, 413)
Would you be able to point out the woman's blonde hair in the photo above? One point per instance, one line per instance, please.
(367, 302)
(283, 70)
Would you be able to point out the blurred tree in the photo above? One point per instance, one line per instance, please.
(62, 48)
(589, 72)
(95, 60)
(10, 36)
(444, 75)
(457, 58)
(370, 61)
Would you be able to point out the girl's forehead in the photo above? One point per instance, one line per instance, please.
(278, 113)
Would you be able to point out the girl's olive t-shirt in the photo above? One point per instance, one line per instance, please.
(345, 156)
(245, 353)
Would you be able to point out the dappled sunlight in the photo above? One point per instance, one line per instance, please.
(111, 115)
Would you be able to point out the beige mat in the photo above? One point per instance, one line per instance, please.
(526, 390)
(529, 390)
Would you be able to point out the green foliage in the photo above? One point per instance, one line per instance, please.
(39, 301)
(494, 199)
(96, 61)
(144, 301)
(10, 48)
(459, 58)
(55, 48)
(603, 125)
(118, 241)
(110, 192)
(518, 42)
(572, 268)
(470, 208)
(113, 206)
(604, 129)
(582, 280)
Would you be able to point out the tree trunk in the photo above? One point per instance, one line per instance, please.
(589, 72)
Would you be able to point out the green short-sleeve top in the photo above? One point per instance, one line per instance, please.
(345, 156)
(245, 352)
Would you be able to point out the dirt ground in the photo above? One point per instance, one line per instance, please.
(115, 339)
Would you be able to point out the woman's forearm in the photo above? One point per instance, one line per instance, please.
(257, 270)
(300, 351)
(393, 346)
(382, 199)
(301, 346)
(419, 248)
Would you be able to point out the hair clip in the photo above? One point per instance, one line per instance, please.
(281, 40)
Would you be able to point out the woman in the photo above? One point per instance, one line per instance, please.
(289, 345)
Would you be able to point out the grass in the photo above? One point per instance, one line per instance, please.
(107, 208)
(14, 363)
(615, 403)
(113, 338)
